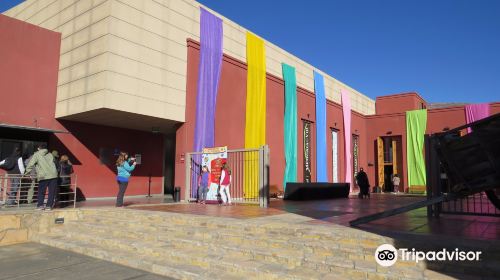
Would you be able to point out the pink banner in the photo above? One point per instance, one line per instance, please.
(475, 112)
(346, 110)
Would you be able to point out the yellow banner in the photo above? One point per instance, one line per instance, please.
(255, 122)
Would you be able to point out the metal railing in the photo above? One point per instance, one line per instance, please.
(249, 171)
(477, 204)
(18, 191)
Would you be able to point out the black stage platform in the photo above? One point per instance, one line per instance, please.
(315, 191)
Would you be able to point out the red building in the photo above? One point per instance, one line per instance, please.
(29, 65)
(30, 89)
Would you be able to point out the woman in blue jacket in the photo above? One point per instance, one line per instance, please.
(124, 166)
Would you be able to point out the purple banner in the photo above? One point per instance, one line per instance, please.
(208, 82)
(475, 112)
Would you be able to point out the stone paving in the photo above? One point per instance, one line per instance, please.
(278, 246)
(33, 261)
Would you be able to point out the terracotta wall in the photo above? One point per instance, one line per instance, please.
(396, 103)
(437, 121)
(29, 63)
(384, 125)
(230, 119)
(95, 179)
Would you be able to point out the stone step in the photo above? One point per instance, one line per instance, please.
(275, 229)
(331, 236)
(232, 247)
(288, 258)
(192, 266)
(161, 233)
(123, 258)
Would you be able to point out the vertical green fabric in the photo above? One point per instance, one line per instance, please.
(416, 123)
(290, 124)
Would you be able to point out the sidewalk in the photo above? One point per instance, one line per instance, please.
(102, 202)
(33, 261)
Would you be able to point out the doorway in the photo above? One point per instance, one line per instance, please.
(389, 156)
(388, 175)
(169, 164)
(25, 140)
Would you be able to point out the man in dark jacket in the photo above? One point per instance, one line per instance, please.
(15, 168)
(363, 183)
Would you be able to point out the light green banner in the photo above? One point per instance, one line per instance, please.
(290, 124)
(416, 123)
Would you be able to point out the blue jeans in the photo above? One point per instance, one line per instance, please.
(43, 185)
(15, 183)
(202, 193)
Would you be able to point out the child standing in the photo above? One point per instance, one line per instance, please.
(395, 182)
(225, 182)
(203, 185)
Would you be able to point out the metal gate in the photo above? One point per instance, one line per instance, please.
(476, 204)
(438, 184)
(249, 171)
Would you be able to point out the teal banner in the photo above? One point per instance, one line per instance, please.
(290, 124)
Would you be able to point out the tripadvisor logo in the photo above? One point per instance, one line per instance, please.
(387, 255)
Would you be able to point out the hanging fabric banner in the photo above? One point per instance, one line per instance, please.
(290, 124)
(255, 122)
(346, 113)
(416, 123)
(209, 71)
(319, 90)
(475, 112)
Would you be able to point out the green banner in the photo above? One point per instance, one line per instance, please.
(416, 123)
(290, 124)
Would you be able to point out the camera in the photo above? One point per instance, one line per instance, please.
(386, 255)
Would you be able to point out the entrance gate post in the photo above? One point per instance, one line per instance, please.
(187, 189)
(264, 176)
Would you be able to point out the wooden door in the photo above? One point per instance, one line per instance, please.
(380, 161)
(394, 157)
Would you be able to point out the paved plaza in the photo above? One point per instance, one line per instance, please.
(31, 261)
(288, 240)
(341, 211)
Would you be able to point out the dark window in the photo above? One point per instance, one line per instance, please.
(387, 149)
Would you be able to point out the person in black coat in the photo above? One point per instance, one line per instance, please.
(15, 168)
(65, 171)
(363, 183)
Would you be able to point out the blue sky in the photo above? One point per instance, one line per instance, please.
(446, 50)
(7, 4)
